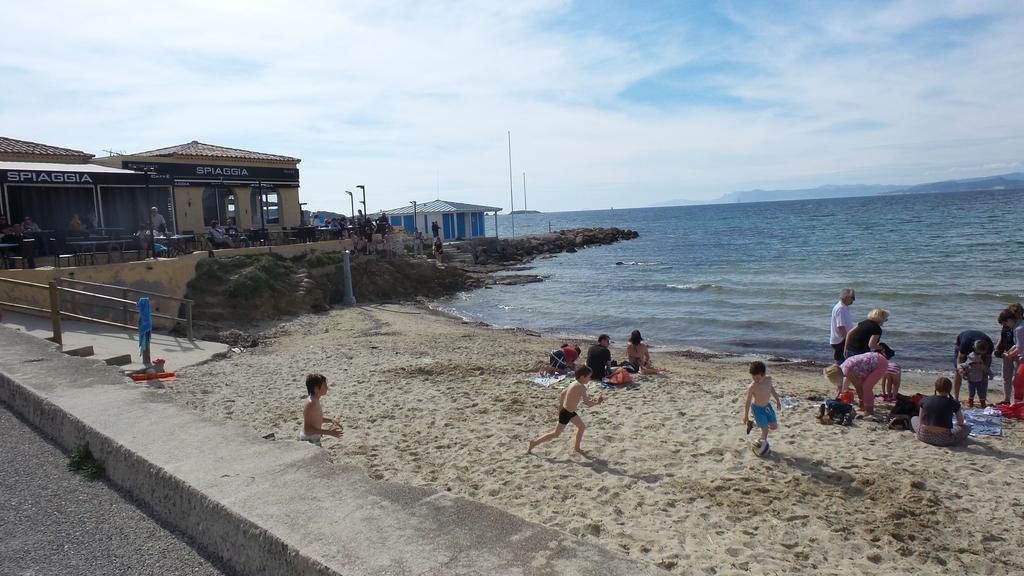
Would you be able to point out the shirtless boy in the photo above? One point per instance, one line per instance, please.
(761, 391)
(568, 401)
(313, 418)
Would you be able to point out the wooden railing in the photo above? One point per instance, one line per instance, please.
(56, 311)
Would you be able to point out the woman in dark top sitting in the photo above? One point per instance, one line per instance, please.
(934, 422)
(865, 336)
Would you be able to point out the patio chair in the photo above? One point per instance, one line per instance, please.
(26, 257)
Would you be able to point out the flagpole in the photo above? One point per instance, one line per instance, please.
(511, 192)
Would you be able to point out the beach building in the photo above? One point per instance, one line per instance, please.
(455, 219)
(190, 184)
(209, 182)
(50, 184)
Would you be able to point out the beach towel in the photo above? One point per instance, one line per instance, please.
(983, 424)
(547, 381)
(145, 324)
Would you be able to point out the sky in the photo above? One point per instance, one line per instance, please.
(609, 104)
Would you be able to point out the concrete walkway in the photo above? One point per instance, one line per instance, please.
(274, 507)
(54, 521)
(111, 342)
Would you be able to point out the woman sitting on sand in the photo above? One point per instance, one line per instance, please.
(638, 355)
(865, 335)
(934, 422)
(862, 372)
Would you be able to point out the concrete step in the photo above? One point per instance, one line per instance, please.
(81, 352)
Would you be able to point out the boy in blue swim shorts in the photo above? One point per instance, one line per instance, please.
(759, 401)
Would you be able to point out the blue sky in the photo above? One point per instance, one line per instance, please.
(609, 103)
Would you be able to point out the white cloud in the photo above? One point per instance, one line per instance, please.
(391, 95)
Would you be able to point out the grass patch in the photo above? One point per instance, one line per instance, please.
(84, 462)
(270, 276)
(215, 272)
(321, 259)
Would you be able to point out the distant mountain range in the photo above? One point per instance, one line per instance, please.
(1010, 181)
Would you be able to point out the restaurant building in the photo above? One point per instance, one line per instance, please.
(51, 184)
(190, 184)
(208, 182)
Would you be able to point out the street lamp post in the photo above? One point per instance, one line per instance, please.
(352, 204)
(152, 237)
(363, 188)
(414, 225)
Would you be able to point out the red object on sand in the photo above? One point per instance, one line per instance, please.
(156, 376)
(1015, 411)
(1018, 384)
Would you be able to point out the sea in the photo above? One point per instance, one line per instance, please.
(761, 278)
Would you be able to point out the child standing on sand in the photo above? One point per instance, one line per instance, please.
(977, 375)
(568, 401)
(759, 401)
(313, 414)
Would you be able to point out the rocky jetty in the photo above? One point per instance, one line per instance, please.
(503, 253)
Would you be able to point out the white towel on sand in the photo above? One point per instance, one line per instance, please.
(546, 381)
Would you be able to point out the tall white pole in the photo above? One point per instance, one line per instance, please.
(511, 193)
(524, 191)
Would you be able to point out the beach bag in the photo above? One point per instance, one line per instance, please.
(904, 407)
(620, 378)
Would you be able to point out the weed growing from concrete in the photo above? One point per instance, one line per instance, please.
(84, 462)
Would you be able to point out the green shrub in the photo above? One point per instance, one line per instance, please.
(83, 461)
(321, 259)
(270, 276)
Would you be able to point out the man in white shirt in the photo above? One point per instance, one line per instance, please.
(158, 220)
(842, 322)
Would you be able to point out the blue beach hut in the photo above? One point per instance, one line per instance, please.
(455, 219)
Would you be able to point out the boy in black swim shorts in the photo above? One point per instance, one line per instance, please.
(568, 401)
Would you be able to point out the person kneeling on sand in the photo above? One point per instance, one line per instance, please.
(759, 401)
(562, 360)
(313, 417)
(934, 422)
(568, 401)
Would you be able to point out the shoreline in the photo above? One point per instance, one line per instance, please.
(693, 353)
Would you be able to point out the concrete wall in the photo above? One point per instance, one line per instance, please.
(168, 276)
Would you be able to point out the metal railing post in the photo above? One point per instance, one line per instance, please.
(58, 336)
(124, 307)
(188, 320)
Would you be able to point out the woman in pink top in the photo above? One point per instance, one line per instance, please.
(862, 372)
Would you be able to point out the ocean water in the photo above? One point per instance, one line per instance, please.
(761, 278)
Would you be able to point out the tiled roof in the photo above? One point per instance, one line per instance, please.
(441, 206)
(26, 148)
(195, 149)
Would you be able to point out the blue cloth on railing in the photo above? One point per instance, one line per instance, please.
(145, 324)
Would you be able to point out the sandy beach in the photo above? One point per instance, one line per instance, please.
(668, 478)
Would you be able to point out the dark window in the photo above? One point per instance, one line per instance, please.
(265, 206)
(49, 207)
(218, 204)
(128, 206)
